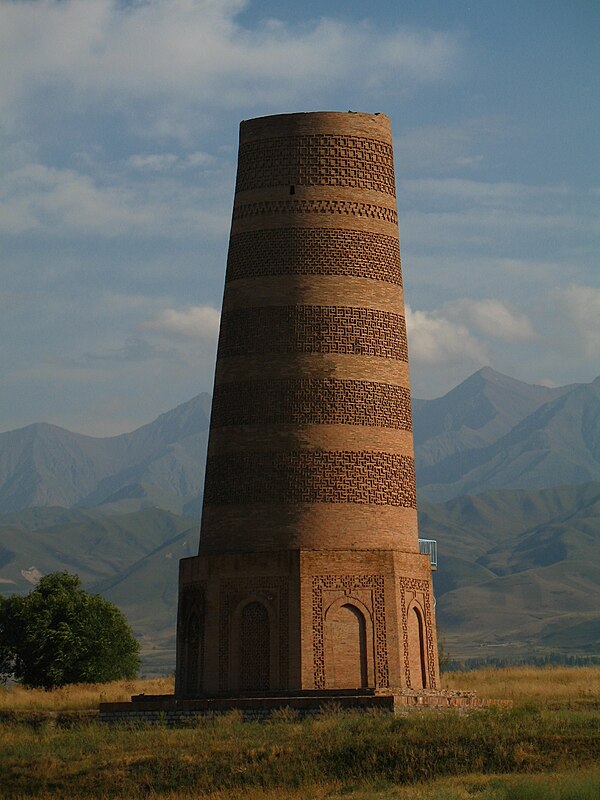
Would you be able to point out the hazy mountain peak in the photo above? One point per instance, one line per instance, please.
(44, 465)
(186, 419)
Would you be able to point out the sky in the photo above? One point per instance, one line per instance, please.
(118, 139)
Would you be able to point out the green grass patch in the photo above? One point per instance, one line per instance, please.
(345, 752)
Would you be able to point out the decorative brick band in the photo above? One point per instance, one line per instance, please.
(313, 329)
(312, 401)
(316, 160)
(328, 207)
(314, 251)
(317, 476)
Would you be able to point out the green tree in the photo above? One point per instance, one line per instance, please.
(59, 634)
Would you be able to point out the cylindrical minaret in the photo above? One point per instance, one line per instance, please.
(310, 443)
(309, 573)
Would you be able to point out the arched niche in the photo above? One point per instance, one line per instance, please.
(417, 656)
(194, 652)
(348, 633)
(254, 647)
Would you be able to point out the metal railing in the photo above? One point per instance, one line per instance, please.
(428, 547)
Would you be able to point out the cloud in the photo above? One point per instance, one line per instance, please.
(153, 162)
(434, 339)
(580, 305)
(182, 54)
(134, 350)
(197, 322)
(200, 159)
(469, 191)
(163, 162)
(37, 198)
(493, 319)
(445, 148)
(499, 221)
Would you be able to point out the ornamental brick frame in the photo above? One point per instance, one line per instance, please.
(366, 590)
(416, 592)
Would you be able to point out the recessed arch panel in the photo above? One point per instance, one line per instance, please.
(416, 648)
(255, 648)
(347, 638)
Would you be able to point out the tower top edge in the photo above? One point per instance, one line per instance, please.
(343, 123)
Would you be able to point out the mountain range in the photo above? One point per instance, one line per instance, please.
(508, 477)
(160, 464)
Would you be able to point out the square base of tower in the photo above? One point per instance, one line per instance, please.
(305, 620)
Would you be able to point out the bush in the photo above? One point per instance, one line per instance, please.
(60, 634)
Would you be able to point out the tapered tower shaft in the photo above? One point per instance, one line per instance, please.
(311, 443)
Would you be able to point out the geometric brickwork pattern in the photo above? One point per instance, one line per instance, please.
(312, 401)
(313, 329)
(314, 251)
(330, 208)
(414, 589)
(317, 160)
(318, 476)
(270, 590)
(348, 585)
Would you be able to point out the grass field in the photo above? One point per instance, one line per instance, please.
(546, 748)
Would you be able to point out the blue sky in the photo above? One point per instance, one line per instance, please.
(118, 139)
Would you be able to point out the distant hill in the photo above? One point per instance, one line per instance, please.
(95, 546)
(493, 432)
(474, 414)
(160, 464)
(519, 571)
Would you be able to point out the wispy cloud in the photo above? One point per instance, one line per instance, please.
(134, 349)
(580, 307)
(200, 322)
(37, 198)
(182, 54)
(443, 148)
(435, 339)
(154, 162)
(493, 318)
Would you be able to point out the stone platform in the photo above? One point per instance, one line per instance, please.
(166, 709)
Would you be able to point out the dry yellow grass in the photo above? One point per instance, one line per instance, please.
(543, 686)
(549, 686)
(526, 753)
(81, 696)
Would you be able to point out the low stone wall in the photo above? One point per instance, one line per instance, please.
(166, 710)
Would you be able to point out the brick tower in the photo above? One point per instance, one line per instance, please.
(309, 575)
